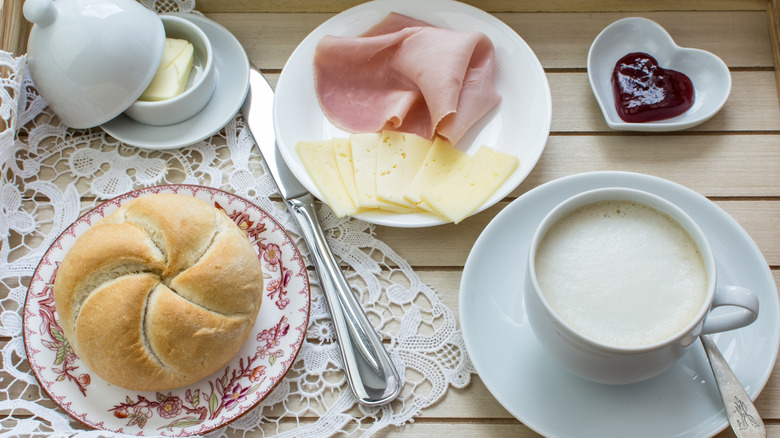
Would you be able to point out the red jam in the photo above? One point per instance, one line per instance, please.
(645, 92)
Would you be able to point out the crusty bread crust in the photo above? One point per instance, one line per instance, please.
(160, 294)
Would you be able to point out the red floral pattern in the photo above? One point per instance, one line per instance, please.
(65, 358)
(275, 285)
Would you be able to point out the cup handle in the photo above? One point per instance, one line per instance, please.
(734, 296)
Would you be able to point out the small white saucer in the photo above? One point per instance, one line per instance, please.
(709, 74)
(232, 67)
(532, 386)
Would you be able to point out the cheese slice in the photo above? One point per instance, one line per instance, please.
(399, 157)
(343, 154)
(442, 158)
(363, 148)
(396, 208)
(319, 160)
(468, 186)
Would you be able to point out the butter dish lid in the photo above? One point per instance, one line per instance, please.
(90, 60)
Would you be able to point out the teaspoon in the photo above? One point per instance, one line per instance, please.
(743, 416)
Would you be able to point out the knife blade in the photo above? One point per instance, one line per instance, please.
(370, 372)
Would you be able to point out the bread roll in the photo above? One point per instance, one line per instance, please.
(160, 294)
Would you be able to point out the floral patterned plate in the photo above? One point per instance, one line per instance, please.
(206, 405)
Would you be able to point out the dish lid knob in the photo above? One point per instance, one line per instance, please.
(91, 59)
(40, 12)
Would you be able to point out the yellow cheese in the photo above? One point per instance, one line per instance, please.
(442, 158)
(470, 185)
(173, 73)
(343, 153)
(363, 148)
(319, 160)
(396, 208)
(403, 173)
(399, 157)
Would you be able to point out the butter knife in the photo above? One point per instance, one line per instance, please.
(369, 370)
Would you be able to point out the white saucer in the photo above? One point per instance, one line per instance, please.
(232, 67)
(681, 402)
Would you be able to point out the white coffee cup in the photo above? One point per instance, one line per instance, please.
(593, 352)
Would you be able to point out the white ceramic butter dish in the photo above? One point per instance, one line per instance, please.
(200, 85)
(92, 60)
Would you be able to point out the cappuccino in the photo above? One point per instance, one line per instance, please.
(621, 273)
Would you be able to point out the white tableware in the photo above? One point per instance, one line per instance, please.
(743, 416)
(211, 403)
(709, 74)
(91, 60)
(519, 125)
(200, 85)
(604, 362)
(681, 402)
(232, 69)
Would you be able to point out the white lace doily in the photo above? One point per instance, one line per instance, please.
(50, 175)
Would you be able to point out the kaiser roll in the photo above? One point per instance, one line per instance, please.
(160, 294)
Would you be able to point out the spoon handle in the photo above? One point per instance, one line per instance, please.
(743, 416)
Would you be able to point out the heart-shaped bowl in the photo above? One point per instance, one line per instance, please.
(709, 74)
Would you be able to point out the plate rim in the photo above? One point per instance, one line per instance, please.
(174, 188)
(421, 219)
(631, 177)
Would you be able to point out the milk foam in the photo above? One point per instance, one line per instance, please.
(622, 273)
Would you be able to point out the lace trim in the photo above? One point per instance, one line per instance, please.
(50, 175)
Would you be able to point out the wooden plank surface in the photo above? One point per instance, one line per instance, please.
(494, 5)
(452, 243)
(734, 159)
(560, 40)
(751, 108)
(773, 20)
(752, 105)
(13, 27)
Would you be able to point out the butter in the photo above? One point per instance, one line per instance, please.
(174, 71)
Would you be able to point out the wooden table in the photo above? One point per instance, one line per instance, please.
(733, 159)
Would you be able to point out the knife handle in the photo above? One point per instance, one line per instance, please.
(368, 367)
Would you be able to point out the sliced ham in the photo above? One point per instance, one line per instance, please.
(406, 75)
(393, 23)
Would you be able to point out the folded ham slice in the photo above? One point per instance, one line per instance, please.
(406, 75)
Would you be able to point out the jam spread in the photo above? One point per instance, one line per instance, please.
(645, 92)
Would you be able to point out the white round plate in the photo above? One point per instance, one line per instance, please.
(211, 403)
(519, 125)
(681, 402)
(232, 67)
